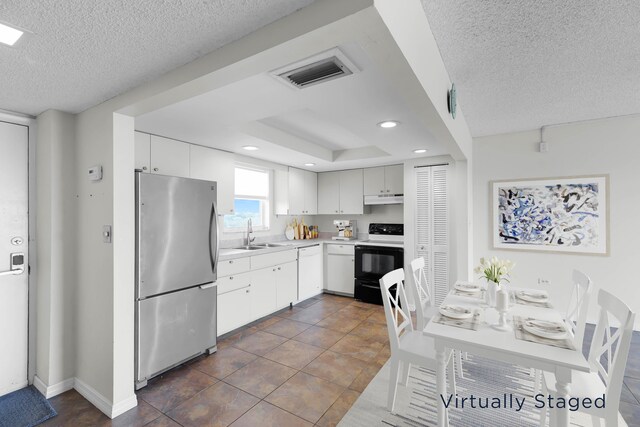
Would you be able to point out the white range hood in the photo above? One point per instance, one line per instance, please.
(384, 199)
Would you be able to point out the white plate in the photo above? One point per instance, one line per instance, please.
(545, 329)
(532, 296)
(455, 312)
(289, 233)
(471, 288)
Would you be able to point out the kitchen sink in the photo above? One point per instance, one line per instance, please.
(250, 248)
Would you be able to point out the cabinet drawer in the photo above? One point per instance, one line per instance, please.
(233, 266)
(275, 258)
(233, 282)
(337, 249)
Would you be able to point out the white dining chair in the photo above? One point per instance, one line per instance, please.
(575, 317)
(425, 308)
(408, 346)
(604, 378)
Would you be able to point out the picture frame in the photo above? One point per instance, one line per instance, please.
(561, 214)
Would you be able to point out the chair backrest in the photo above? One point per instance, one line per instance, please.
(615, 345)
(576, 315)
(396, 307)
(421, 292)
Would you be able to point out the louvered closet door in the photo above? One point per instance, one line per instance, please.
(432, 227)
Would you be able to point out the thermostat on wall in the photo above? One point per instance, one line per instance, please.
(95, 173)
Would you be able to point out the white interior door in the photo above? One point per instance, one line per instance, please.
(432, 227)
(13, 242)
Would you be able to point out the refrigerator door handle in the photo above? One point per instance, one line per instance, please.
(208, 285)
(214, 252)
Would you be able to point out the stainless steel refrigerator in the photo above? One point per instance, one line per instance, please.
(177, 240)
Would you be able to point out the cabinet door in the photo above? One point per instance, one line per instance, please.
(234, 310)
(351, 198)
(329, 193)
(394, 179)
(340, 273)
(287, 284)
(310, 193)
(142, 148)
(374, 181)
(296, 191)
(169, 157)
(215, 165)
(263, 292)
(281, 190)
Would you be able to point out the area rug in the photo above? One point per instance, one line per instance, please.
(416, 404)
(24, 408)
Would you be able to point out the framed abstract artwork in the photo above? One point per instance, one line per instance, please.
(552, 214)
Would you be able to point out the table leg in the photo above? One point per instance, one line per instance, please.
(563, 383)
(441, 384)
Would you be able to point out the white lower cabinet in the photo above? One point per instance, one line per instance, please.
(263, 292)
(254, 287)
(309, 272)
(340, 268)
(286, 284)
(234, 300)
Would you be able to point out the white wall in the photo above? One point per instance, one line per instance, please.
(607, 146)
(55, 272)
(379, 213)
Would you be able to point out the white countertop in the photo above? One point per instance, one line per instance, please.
(231, 253)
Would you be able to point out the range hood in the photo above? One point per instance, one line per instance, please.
(384, 199)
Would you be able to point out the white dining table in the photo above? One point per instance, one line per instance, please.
(504, 346)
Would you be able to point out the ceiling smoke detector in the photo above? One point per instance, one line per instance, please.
(320, 68)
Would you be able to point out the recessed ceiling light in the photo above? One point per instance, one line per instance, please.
(388, 124)
(420, 150)
(309, 164)
(9, 35)
(250, 147)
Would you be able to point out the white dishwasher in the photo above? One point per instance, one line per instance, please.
(309, 271)
(340, 268)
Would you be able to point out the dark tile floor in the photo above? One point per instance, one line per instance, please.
(303, 366)
(299, 367)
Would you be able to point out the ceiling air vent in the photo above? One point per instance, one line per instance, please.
(320, 68)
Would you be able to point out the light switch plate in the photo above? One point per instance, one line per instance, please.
(95, 173)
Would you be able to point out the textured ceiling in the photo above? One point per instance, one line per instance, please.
(85, 52)
(520, 65)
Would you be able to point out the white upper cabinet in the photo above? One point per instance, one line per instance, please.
(373, 181)
(329, 193)
(301, 194)
(340, 192)
(215, 165)
(169, 157)
(142, 149)
(384, 180)
(394, 179)
(296, 191)
(310, 193)
(351, 197)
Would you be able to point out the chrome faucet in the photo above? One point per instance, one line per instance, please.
(249, 233)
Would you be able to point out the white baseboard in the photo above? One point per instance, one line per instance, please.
(53, 390)
(102, 403)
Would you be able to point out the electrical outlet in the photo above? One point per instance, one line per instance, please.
(542, 281)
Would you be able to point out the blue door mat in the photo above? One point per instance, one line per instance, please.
(24, 408)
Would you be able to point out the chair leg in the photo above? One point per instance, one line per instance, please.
(406, 367)
(393, 384)
(543, 416)
(459, 360)
(595, 421)
(610, 419)
(452, 373)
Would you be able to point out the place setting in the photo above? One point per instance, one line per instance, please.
(458, 316)
(543, 332)
(531, 298)
(468, 289)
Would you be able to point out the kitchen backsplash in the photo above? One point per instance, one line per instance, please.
(379, 213)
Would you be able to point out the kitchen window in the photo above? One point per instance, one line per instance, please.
(251, 199)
